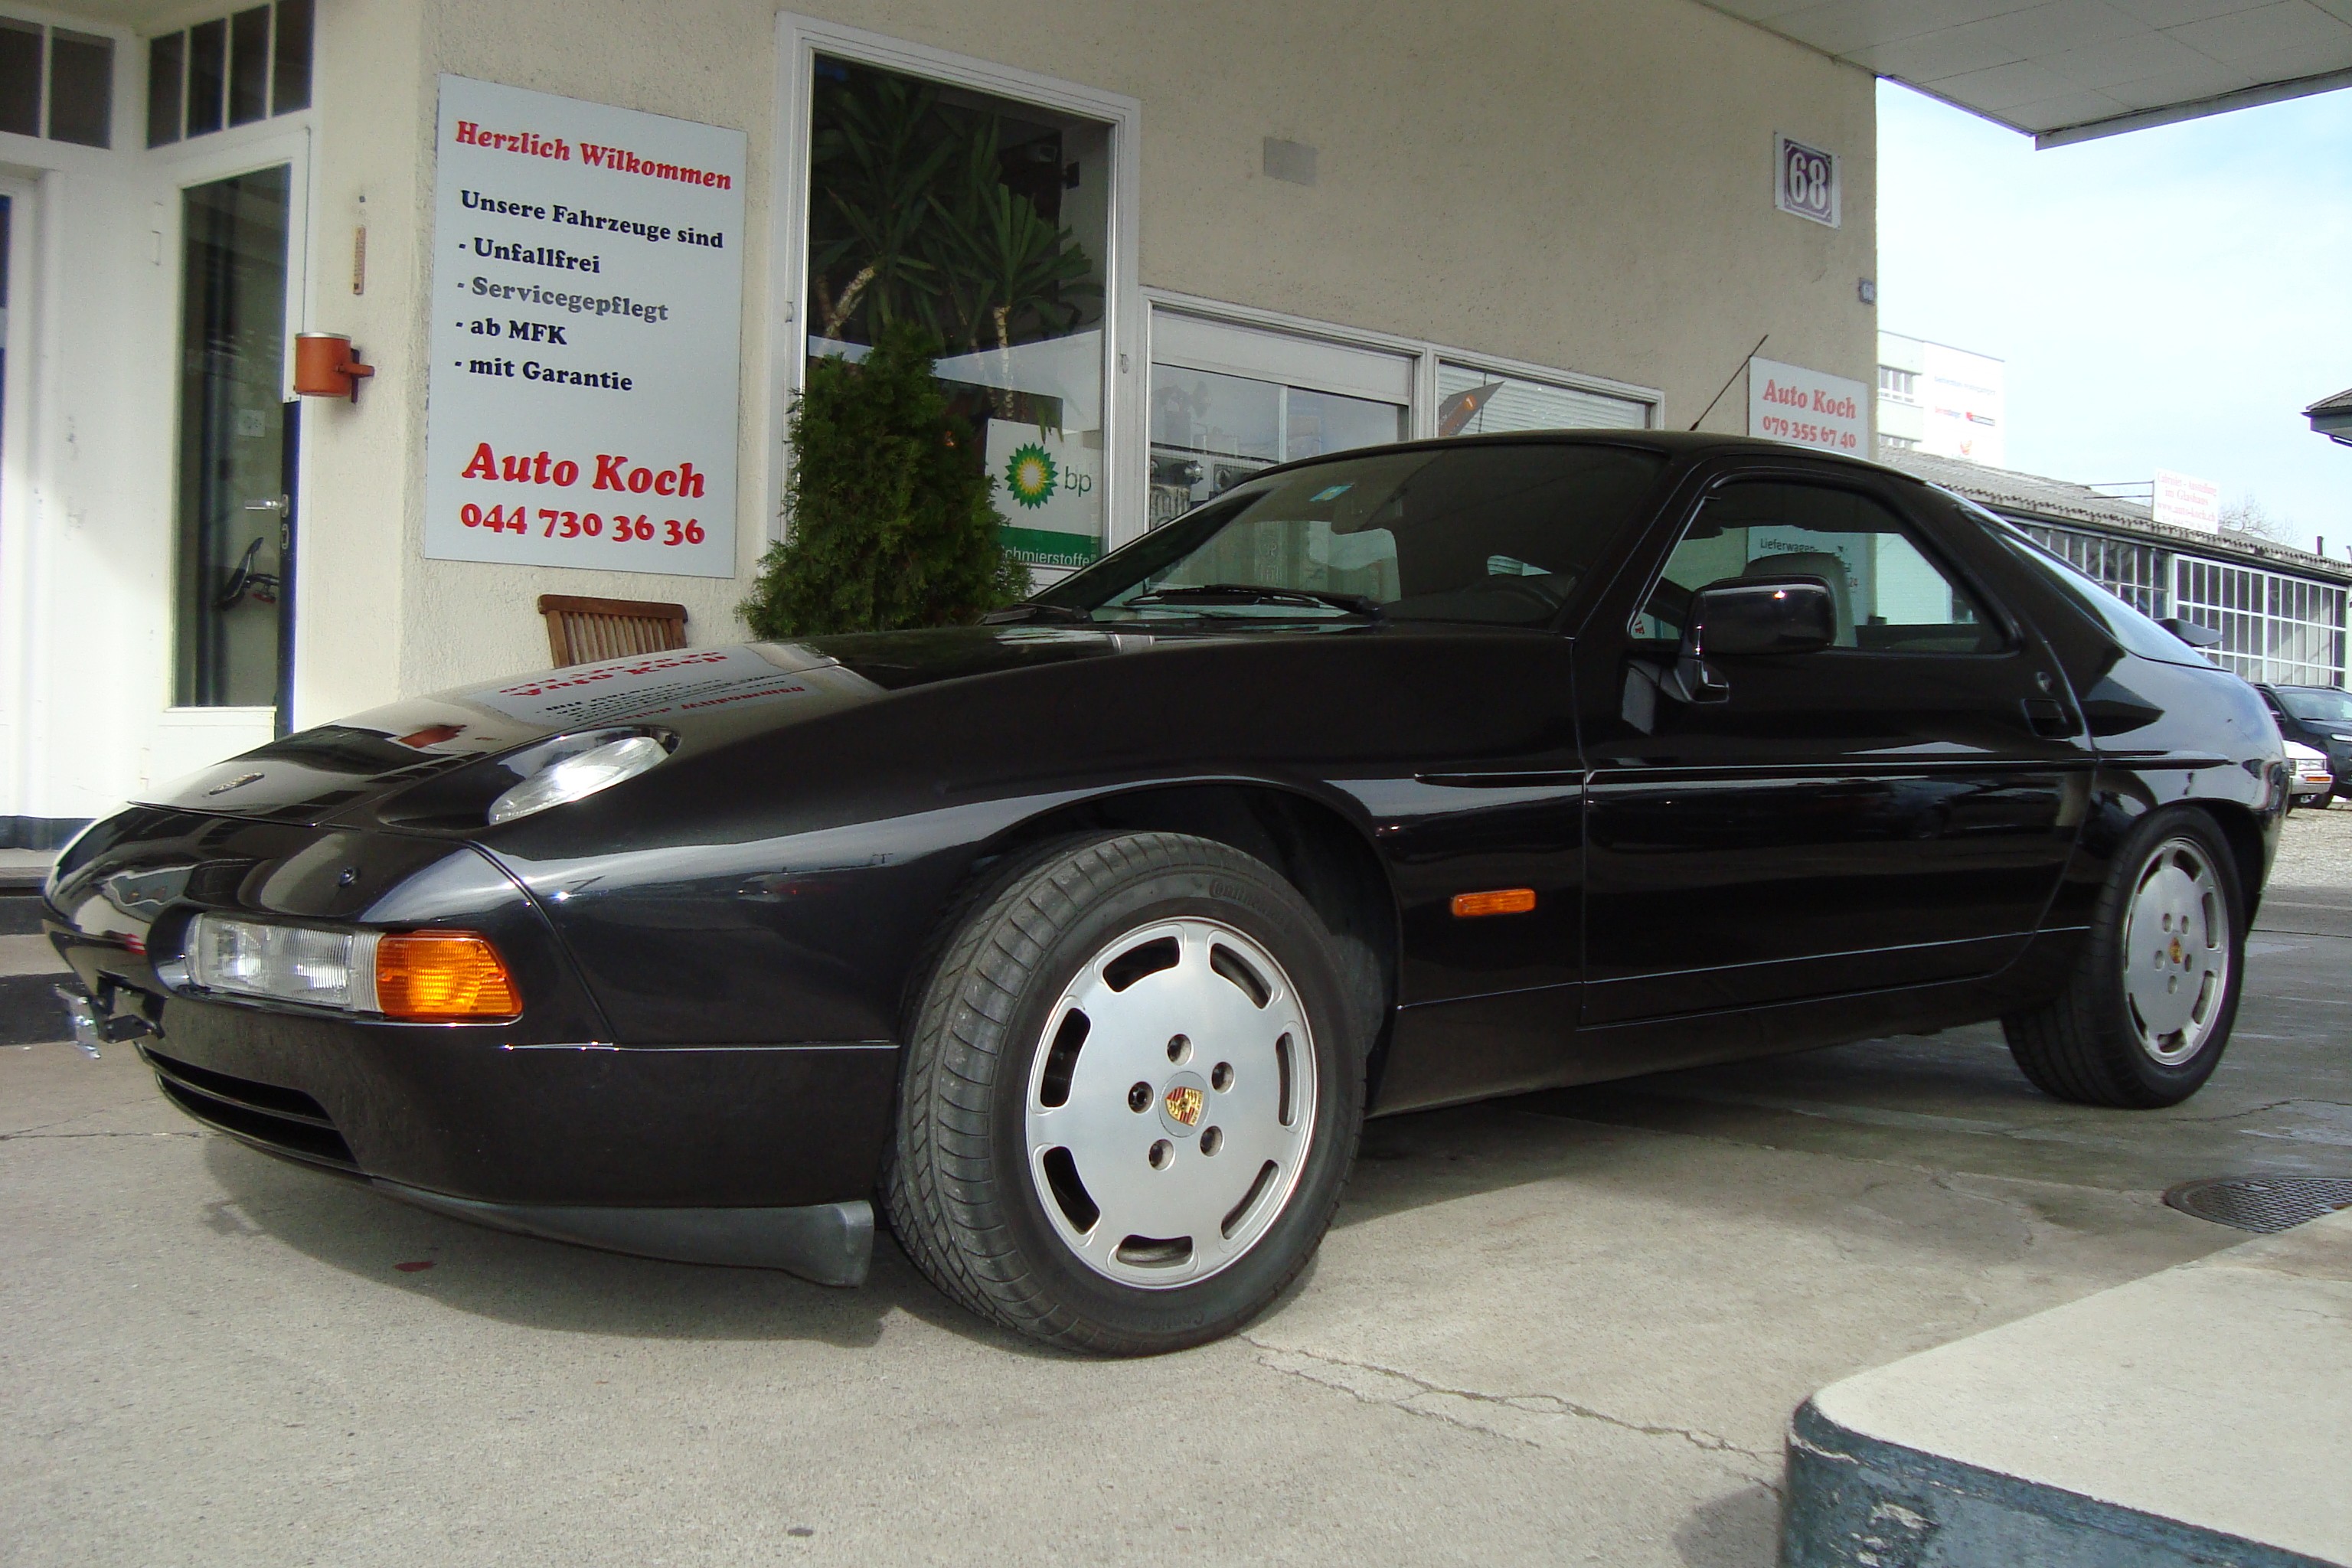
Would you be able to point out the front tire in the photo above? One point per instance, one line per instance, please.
(1131, 1093)
(2146, 1015)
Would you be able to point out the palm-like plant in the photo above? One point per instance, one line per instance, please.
(880, 160)
(1011, 275)
(916, 224)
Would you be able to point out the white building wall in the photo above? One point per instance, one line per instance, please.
(85, 556)
(1950, 402)
(1587, 187)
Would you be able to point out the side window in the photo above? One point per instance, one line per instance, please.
(1891, 595)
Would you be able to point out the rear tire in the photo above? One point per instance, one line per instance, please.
(1131, 1093)
(2147, 1014)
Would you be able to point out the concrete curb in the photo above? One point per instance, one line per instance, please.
(1856, 1502)
(2193, 1417)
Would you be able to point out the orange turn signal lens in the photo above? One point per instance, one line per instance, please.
(434, 974)
(1499, 902)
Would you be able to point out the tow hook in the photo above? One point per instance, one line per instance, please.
(92, 1031)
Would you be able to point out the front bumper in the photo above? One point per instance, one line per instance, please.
(753, 1155)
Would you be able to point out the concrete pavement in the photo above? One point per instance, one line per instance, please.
(1566, 1328)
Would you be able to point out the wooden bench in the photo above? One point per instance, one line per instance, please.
(583, 631)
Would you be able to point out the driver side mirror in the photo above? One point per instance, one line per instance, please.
(2195, 635)
(1750, 616)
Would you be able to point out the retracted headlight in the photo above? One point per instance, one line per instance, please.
(562, 772)
(416, 976)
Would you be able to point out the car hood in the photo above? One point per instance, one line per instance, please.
(697, 696)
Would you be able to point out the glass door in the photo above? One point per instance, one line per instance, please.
(234, 524)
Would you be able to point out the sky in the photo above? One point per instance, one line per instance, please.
(2165, 298)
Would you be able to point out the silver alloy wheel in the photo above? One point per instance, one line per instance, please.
(1171, 1103)
(2175, 951)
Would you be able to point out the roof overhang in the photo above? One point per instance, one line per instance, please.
(2070, 70)
(2332, 416)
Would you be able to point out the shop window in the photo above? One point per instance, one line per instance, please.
(167, 59)
(20, 78)
(289, 81)
(248, 73)
(1228, 400)
(78, 69)
(231, 70)
(984, 222)
(208, 76)
(1473, 401)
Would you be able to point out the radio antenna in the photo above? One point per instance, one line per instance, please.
(1727, 385)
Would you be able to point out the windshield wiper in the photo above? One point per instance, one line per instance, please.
(1034, 610)
(1258, 594)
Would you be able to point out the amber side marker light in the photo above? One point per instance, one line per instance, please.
(1499, 902)
(427, 976)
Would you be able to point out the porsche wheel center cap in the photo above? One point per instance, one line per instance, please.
(1182, 1104)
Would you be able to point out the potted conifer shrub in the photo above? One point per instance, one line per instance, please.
(889, 519)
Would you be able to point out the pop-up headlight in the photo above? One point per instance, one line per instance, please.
(560, 775)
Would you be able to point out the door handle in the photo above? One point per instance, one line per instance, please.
(275, 503)
(2049, 718)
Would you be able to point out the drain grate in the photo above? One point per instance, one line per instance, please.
(2265, 1203)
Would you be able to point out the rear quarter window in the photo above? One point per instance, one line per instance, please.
(2135, 632)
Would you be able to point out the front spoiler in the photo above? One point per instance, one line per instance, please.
(832, 1244)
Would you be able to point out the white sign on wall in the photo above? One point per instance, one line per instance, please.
(2186, 501)
(587, 305)
(1963, 396)
(1808, 407)
(1805, 181)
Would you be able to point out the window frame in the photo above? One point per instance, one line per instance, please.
(1125, 368)
(1423, 355)
(1921, 536)
(39, 153)
(181, 166)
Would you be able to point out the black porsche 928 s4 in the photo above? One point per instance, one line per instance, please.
(1083, 940)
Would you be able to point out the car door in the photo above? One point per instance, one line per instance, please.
(1892, 810)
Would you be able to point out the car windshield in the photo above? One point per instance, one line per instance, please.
(2317, 704)
(1496, 534)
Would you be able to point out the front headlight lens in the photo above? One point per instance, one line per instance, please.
(426, 976)
(579, 775)
(284, 963)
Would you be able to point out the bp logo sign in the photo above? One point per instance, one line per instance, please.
(1029, 474)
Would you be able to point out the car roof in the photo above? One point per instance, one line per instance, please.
(1669, 444)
